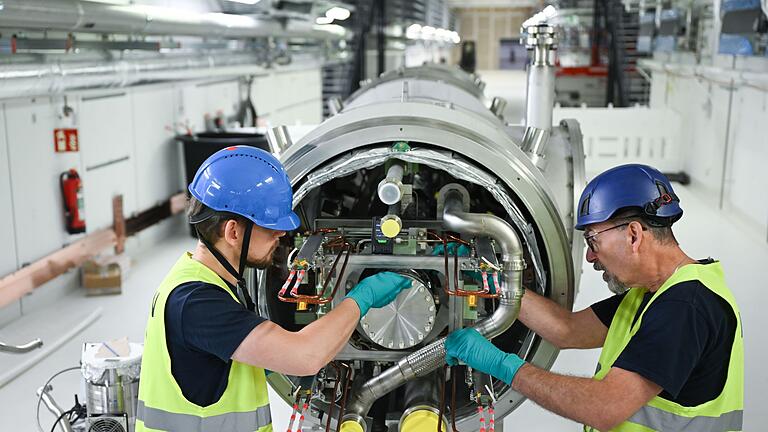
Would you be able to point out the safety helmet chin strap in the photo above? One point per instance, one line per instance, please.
(239, 274)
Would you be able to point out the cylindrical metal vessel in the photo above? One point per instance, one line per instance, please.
(436, 123)
(111, 380)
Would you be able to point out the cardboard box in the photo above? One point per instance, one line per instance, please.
(101, 278)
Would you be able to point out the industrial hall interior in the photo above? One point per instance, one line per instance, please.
(383, 215)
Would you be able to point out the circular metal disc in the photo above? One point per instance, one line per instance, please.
(403, 323)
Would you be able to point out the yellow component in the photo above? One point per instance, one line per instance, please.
(421, 420)
(301, 306)
(351, 426)
(390, 227)
(472, 301)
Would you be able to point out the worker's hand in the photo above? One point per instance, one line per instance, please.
(463, 249)
(378, 290)
(477, 352)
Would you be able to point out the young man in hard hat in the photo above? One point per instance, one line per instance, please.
(672, 348)
(206, 349)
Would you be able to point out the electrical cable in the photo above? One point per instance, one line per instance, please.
(45, 386)
(65, 413)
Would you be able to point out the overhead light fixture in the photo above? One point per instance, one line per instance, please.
(323, 20)
(413, 31)
(248, 2)
(338, 13)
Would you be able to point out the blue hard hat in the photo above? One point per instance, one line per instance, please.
(626, 187)
(249, 182)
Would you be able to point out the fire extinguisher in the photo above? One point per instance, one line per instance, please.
(72, 194)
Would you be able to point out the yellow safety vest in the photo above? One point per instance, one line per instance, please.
(244, 406)
(724, 413)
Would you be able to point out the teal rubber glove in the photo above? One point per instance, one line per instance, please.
(477, 352)
(378, 290)
(463, 249)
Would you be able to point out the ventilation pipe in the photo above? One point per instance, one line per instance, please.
(96, 17)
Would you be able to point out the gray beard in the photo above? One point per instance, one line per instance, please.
(614, 285)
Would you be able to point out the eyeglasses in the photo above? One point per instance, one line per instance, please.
(591, 240)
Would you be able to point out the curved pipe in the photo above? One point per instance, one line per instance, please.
(21, 349)
(431, 357)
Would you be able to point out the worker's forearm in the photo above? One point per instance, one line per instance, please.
(545, 317)
(580, 399)
(330, 333)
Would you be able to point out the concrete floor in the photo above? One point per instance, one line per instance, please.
(702, 232)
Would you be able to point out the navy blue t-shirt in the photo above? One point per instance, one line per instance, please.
(204, 326)
(683, 343)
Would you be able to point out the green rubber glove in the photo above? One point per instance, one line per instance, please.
(463, 249)
(378, 290)
(468, 346)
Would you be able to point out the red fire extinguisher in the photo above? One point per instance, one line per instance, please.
(72, 194)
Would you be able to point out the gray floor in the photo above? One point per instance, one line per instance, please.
(702, 232)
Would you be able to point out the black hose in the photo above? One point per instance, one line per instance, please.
(65, 413)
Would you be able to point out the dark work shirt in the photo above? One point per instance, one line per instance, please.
(204, 326)
(683, 343)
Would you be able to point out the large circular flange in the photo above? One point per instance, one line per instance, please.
(403, 323)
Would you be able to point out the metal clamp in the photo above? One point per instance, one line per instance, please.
(21, 349)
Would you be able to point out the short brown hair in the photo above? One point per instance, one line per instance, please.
(210, 227)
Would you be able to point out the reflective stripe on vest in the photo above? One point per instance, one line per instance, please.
(154, 418)
(725, 412)
(660, 420)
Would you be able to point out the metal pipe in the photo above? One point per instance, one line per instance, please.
(21, 80)
(431, 357)
(53, 407)
(391, 188)
(46, 352)
(96, 17)
(21, 349)
(540, 91)
(540, 96)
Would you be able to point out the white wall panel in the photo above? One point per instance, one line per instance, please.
(190, 108)
(35, 170)
(106, 137)
(8, 261)
(157, 155)
(746, 185)
(616, 136)
(264, 94)
(703, 107)
(221, 98)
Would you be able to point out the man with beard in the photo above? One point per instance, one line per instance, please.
(672, 352)
(206, 349)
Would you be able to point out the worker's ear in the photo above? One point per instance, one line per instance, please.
(635, 234)
(231, 232)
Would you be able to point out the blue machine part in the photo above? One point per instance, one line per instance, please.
(736, 5)
(665, 43)
(735, 45)
(644, 44)
(670, 14)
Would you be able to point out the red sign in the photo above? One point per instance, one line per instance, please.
(65, 140)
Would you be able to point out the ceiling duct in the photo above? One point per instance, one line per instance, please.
(94, 17)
